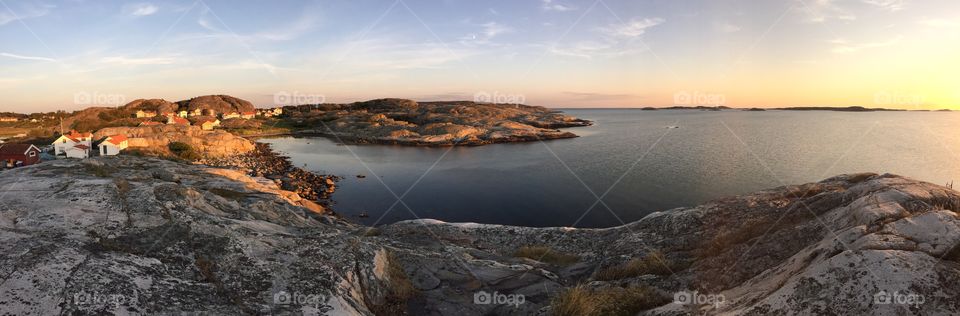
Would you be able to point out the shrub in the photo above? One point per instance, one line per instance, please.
(546, 254)
(184, 151)
(653, 263)
(582, 301)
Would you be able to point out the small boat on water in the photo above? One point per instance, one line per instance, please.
(363, 214)
(672, 127)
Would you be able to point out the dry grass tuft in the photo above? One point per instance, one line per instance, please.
(653, 263)
(546, 254)
(615, 301)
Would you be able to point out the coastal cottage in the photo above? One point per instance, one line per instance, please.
(182, 113)
(248, 115)
(168, 114)
(67, 141)
(80, 151)
(177, 120)
(142, 113)
(8, 119)
(196, 112)
(112, 145)
(209, 124)
(277, 111)
(16, 155)
(230, 115)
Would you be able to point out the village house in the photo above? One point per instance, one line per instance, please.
(277, 111)
(168, 114)
(230, 115)
(248, 115)
(8, 119)
(182, 113)
(209, 124)
(80, 151)
(71, 140)
(17, 155)
(196, 112)
(177, 120)
(112, 145)
(142, 113)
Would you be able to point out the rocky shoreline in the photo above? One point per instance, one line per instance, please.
(262, 161)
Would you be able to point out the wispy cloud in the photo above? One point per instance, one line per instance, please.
(727, 27)
(36, 58)
(888, 5)
(26, 11)
(486, 33)
(551, 5)
(127, 61)
(634, 28)
(819, 11)
(845, 47)
(142, 9)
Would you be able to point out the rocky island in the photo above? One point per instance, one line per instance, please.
(407, 122)
(134, 235)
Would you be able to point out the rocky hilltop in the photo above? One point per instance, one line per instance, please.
(157, 105)
(407, 122)
(156, 138)
(131, 235)
(217, 103)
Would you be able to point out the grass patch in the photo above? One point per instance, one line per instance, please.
(546, 255)
(229, 194)
(615, 301)
(653, 263)
(100, 170)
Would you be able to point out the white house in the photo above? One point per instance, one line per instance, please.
(70, 140)
(112, 145)
(230, 115)
(80, 151)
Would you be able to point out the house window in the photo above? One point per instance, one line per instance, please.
(33, 154)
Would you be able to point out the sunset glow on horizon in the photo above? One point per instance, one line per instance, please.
(555, 53)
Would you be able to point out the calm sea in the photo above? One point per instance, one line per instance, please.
(632, 160)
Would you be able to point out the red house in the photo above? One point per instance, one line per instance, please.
(16, 155)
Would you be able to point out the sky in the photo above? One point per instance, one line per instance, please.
(555, 53)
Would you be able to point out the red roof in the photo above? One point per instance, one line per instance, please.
(116, 139)
(249, 113)
(74, 135)
(180, 120)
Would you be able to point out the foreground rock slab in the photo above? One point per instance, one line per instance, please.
(131, 235)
